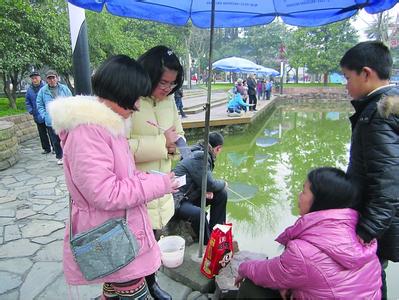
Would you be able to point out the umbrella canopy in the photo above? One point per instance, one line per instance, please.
(261, 70)
(235, 64)
(237, 13)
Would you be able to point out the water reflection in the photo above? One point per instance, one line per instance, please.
(267, 168)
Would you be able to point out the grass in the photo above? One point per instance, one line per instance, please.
(5, 109)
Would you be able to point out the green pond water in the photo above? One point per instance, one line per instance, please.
(266, 167)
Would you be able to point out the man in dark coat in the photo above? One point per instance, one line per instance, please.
(31, 107)
(188, 198)
(374, 154)
(251, 82)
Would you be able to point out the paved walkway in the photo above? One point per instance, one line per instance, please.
(33, 210)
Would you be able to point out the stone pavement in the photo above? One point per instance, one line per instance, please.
(33, 210)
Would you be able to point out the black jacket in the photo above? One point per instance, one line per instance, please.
(192, 167)
(374, 165)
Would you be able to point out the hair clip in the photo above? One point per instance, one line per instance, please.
(170, 52)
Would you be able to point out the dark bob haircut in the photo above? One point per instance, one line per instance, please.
(156, 60)
(331, 189)
(216, 139)
(372, 54)
(122, 80)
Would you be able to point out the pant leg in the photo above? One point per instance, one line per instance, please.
(218, 208)
(44, 138)
(56, 142)
(248, 290)
(192, 213)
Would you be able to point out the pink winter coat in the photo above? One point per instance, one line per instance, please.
(102, 180)
(322, 259)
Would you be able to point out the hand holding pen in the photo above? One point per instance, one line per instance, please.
(171, 136)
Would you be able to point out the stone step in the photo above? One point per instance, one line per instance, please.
(197, 108)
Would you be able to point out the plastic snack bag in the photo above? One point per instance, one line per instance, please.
(219, 250)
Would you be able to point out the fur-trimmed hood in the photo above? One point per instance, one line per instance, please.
(388, 105)
(70, 112)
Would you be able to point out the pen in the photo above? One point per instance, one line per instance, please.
(155, 125)
(156, 172)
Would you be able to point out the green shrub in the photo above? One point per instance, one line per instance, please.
(5, 109)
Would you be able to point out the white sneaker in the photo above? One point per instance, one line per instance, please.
(60, 162)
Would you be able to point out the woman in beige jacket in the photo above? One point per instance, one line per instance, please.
(154, 131)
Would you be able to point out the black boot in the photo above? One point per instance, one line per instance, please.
(157, 293)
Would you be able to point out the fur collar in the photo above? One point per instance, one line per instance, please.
(69, 112)
(388, 105)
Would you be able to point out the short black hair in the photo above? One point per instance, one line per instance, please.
(155, 60)
(122, 80)
(331, 189)
(215, 139)
(372, 54)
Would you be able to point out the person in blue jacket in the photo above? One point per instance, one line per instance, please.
(48, 93)
(236, 104)
(31, 107)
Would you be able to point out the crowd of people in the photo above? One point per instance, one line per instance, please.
(245, 94)
(117, 149)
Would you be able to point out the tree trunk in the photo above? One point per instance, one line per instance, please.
(325, 78)
(69, 83)
(297, 74)
(10, 90)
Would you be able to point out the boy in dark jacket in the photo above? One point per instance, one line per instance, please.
(374, 153)
(188, 198)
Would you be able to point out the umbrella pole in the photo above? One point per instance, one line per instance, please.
(80, 50)
(206, 135)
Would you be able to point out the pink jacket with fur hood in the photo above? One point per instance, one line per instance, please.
(103, 182)
(322, 260)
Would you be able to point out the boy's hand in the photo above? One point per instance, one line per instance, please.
(209, 195)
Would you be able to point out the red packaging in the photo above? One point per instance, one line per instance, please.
(219, 250)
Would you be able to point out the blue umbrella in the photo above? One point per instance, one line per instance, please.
(261, 70)
(237, 13)
(235, 64)
(208, 14)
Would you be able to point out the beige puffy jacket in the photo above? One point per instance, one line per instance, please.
(148, 144)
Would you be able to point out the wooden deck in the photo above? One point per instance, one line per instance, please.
(218, 116)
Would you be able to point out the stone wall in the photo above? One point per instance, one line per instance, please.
(13, 131)
(25, 127)
(313, 90)
(8, 145)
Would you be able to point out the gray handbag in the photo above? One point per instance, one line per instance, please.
(104, 249)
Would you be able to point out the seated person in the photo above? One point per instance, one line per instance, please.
(323, 256)
(236, 104)
(188, 198)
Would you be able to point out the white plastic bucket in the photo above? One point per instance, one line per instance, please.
(172, 250)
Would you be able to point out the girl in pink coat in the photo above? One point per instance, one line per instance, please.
(100, 172)
(323, 257)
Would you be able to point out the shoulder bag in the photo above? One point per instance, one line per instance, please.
(104, 249)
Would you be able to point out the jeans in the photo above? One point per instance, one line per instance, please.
(55, 140)
(191, 211)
